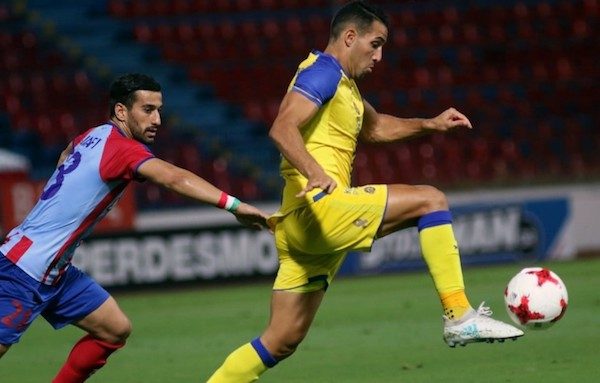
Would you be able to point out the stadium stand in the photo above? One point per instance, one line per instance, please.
(526, 73)
(57, 71)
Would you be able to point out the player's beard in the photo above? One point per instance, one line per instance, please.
(142, 134)
(146, 139)
(364, 72)
(153, 131)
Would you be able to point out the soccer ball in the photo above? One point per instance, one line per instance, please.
(536, 298)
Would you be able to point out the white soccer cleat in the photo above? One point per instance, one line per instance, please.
(478, 326)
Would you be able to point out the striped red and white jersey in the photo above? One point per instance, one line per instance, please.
(80, 192)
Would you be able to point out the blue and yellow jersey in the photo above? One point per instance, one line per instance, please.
(331, 135)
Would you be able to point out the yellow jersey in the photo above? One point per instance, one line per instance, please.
(331, 135)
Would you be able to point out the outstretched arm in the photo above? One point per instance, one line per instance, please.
(295, 111)
(378, 127)
(190, 185)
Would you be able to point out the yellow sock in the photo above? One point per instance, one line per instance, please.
(242, 365)
(455, 304)
(440, 252)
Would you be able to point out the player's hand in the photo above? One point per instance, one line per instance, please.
(251, 217)
(449, 119)
(319, 180)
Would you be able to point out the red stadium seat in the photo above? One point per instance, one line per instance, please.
(450, 15)
(119, 9)
(185, 33)
(140, 8)
(180, 7)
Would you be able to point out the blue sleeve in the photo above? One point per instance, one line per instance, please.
(318, 82)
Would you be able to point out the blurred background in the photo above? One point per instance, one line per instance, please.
(525, 72)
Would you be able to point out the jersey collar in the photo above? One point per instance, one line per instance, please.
(121, 132)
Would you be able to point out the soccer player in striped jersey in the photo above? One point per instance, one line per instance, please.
(322, 216)
(36, 275)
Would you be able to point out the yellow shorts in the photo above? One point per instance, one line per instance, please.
(312, 241)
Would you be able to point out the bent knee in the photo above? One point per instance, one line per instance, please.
(123, 331)
(433, 199)
(117, 333)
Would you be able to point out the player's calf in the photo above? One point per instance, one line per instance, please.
(86, 357)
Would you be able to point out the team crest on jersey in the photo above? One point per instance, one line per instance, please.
(361, 223)
(369, 189)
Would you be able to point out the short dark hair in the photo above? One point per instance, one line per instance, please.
(360, 13)
(123, 89)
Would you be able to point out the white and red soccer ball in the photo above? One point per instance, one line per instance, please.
(536, 298)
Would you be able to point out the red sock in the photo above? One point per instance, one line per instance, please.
(88, 355)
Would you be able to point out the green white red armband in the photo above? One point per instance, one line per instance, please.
(228, 202)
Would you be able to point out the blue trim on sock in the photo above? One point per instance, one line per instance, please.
(264, 354)
(435, 218)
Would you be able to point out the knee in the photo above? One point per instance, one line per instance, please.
(434, 199)
(118, 332)
(122, 331)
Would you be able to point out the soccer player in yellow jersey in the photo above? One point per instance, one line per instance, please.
(322, 216)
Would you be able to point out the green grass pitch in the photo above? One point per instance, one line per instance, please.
(370, 329)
